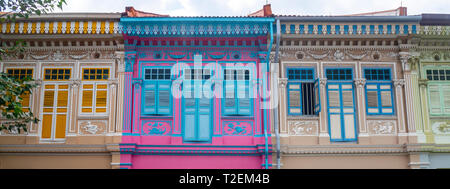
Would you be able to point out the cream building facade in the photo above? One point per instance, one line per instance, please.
(77, 60)
(430, 67)
(354, 70)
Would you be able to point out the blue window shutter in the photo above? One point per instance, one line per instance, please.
(363, 29)
(189, 117)
(328, 29)
(204, 119)
(302, 29)
(380, 29)
(355, 29)
(164, 97)
(189, 127)
(397, 29)
(149, 97)
(405, 29)
(244, 105)
(317, 105)
(389, 29)
(414, 29)
(229, 98)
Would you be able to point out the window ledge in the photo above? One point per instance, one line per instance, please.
(302, 117)
(92, 117)
(381, 117)
(440, 117)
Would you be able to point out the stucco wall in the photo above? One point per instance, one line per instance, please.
(56, 161)
(336, 161)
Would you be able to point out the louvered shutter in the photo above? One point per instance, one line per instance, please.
(101, 98)
(230, 98)
(334, 111)
(164, 97)
(372, 98)
(435, 100)
(189, 117)
(294, 97)
(386, 99)
(446, 96)
(149, 97)
(348, 111)
(243, 98)
(204, 119)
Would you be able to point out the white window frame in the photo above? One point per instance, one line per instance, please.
(41, 104)
(94, 96)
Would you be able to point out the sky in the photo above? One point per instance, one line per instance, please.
(244, 7)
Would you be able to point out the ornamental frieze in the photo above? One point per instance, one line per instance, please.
(338, 55)
(303, 128)
(59, 55)
(381, 127)
(441, 127)
(92, 127)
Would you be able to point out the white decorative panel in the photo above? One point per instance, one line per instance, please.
(92, 127)
(382, 127)
(303, 128)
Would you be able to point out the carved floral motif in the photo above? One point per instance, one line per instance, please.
(303, 128)
(237, 128)
(441, 127)
(92, 127)
(381, 127)
(156, 128)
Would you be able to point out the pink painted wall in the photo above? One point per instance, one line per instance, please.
(135, 142)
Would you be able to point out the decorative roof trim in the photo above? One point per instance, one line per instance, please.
(415, 19)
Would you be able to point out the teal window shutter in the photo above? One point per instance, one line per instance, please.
(164, 97)
(204, 119)
(149, 97)
(230, 98)
(244, 105)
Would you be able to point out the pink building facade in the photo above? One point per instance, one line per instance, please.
(196, 92)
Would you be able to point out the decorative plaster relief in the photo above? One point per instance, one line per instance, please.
(441, 127)
(303, 128)
(237, 128)
(381, 127)
(92, 127)
(156, 127)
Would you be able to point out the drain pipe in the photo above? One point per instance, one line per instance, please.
(277, 132)
(266, 137)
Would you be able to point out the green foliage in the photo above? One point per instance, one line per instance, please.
(11, 90)
(25, 8)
